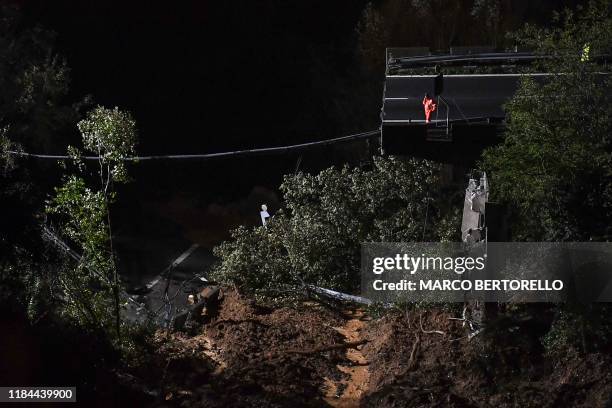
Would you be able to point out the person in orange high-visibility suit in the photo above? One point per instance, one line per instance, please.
(429, 105)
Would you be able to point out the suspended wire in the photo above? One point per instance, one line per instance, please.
(247, 152)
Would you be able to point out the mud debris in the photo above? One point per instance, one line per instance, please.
(309, 356)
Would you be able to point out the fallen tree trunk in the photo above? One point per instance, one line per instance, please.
(338, 295)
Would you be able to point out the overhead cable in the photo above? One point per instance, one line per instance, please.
(247, 152)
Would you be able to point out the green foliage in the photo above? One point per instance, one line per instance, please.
(33, 116)
(571, 31)
(110, 133)
(34, 82)
(6, 158)
(554, 167)
(316, 239)
(92, 289)
(256, 258)
(83, 212)
(86, 289)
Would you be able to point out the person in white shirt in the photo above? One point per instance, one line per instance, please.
(264, 214)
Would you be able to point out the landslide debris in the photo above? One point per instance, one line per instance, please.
(309, 356)
(413, 365)
(252, 356)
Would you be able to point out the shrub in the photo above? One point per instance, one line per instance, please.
(316, 238)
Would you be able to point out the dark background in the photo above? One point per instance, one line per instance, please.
(205, 76)
(202, 76)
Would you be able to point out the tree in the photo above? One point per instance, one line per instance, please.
(316, 239)
(110, 134)
(554, 166)
(34, 81)
(34, 115)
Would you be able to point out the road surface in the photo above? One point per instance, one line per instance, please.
(467, 96)
(160, 275)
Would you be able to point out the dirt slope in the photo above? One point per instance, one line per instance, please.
(249, 356)
(413, 365)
